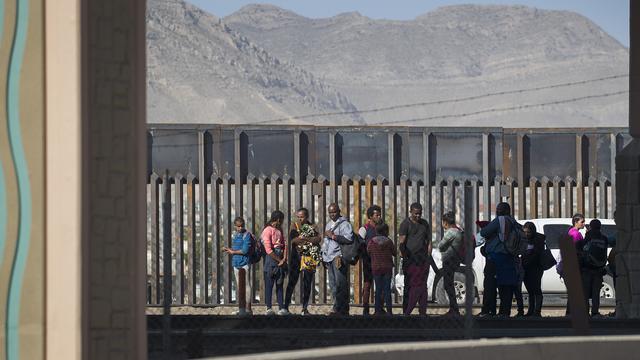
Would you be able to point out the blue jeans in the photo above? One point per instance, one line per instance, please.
(383, 292)
(339, 282)
(273, 277)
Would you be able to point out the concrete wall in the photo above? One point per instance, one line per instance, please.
(113, 174)
(596, 347)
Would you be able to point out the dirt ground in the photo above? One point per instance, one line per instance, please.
(325, 309)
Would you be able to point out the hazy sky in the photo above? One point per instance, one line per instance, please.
(610, 15)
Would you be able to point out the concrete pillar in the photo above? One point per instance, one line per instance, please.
(64, 178)
(113, 179)
(628, 189)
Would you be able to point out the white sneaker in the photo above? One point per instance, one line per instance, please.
(283, 312)
(270, 312)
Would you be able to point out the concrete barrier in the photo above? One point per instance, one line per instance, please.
(558, 348)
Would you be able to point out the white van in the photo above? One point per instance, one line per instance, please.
(553, 229)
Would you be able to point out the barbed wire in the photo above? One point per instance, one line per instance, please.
(450, 116)
(510, 108)
(424, 103)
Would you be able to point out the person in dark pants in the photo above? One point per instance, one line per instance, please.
(275, 261)
(517, 291)
(295, 255)
(505, 263)
(451, 248)
(338, 231)
(368, 232)
(415, 247)
(592, 264)
(382, 252)
(490, 293)
(533, 271)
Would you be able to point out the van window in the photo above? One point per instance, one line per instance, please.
(553, 234)
(610, 232)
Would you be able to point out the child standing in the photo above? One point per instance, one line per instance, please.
(382, 252)
(240, 246)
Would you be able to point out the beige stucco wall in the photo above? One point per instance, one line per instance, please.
(63, 188)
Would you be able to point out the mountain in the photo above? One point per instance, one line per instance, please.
(201, 71)
(456, 59)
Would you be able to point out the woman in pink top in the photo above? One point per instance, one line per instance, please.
(578, 241)
(578, 223)
(275, 262)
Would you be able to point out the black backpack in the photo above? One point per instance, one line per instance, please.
(514, 240)
(352, 252)
(595, 252)
(256, 250)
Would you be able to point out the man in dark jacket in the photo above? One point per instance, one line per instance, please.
(592, 264)
(506, 272)
(490, 292)
(533, 271)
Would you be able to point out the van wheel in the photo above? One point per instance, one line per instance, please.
(459, 285)
(607, 291)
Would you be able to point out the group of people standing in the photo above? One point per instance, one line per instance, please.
(504, 272)
(292, 263)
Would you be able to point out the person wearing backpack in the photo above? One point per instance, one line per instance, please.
(594, 260)
(499, 233)
(296, 266)
(533, 270)
(490, 292)
(415, 247)
(338, 233)
(452, 252)
(382, 252)
(240, 251)
(368, 232)
(275, 261)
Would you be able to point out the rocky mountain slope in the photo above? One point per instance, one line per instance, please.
(467, 65)
(201, 71)
(456, 52)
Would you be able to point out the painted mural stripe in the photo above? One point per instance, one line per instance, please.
(3, 188)
(22, 175)
(3, 215)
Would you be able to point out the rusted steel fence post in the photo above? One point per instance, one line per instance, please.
(568, 196)
(533, 197)
(191, 240)
(227, 269)
(357, 223)
(166, 268)
(155, 240)
(322, 223)
(557, 199)
(178, 236)
(544, 184)
(216, 240)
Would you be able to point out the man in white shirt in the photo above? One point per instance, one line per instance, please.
(337, 232)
